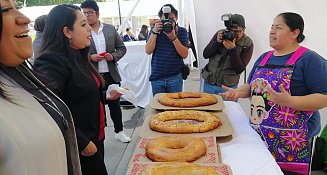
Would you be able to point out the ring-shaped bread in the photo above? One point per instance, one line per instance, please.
(175, 149)
(187, 99)
(174, 168)
(163, 121)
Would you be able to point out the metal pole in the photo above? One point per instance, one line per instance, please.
(127, 18)
(119, 12)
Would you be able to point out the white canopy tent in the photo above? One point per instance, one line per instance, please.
(109, 9)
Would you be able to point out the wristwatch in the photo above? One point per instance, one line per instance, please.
(156, 33)
(174, 38)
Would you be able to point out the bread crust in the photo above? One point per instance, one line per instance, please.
(161, 122)
(187, 99)
(180, 168)
(175, 149)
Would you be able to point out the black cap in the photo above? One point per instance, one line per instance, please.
(238, 21)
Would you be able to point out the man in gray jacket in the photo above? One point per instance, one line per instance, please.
(106, 49)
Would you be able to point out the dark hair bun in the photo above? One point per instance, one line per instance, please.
(300, 38)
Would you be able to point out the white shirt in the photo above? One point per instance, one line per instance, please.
(100, 45)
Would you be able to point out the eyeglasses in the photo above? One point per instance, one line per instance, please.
(172, 20)
(237, 31)
(89, 13)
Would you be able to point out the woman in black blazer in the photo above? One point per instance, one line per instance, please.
(63, 62)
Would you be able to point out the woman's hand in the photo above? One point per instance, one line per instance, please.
(230, 94)
(90, 149)
(282, 98)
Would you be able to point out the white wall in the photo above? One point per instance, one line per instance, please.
(259, 16)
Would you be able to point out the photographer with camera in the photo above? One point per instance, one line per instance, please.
(229, 52)
(168, 44)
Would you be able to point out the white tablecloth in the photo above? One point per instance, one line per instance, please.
(134, 69)
(246, 154)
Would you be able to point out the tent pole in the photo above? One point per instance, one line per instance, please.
(119, 12)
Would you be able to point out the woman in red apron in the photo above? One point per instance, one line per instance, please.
(286, 93)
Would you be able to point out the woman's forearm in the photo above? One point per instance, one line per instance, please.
(310, 102)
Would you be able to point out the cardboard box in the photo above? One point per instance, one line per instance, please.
(219, 153)
(224, 130)
(211, 156)
(215, 107)
(222, 169)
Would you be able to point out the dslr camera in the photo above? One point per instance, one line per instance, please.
(227, 33)
(167, 26)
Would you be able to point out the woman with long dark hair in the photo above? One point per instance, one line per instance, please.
(37, 134)
(64, 63)
(143, 35)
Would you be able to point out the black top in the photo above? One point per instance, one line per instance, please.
(72, 81)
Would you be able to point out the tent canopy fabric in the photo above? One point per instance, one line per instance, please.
(109, 9)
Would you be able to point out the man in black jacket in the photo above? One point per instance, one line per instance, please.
(228, 52)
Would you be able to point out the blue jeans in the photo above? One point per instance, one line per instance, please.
(214, 89)
(167, 85)
(314, 126)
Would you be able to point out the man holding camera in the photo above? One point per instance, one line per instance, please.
(168, 44)
(229, 52)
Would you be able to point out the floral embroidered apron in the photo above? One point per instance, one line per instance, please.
(284, 130)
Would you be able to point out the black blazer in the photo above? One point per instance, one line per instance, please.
(73, 82)
(115, 46)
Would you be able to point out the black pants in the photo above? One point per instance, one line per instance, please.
(94, 165)
(114, 105)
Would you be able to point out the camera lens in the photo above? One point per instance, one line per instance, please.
(167, 26)
(228, 35)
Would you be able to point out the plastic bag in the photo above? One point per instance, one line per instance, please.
(128, 95)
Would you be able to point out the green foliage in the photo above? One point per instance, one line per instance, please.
(20, 3)
(50, 2)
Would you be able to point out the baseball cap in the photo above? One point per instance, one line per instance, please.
(238, 20)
